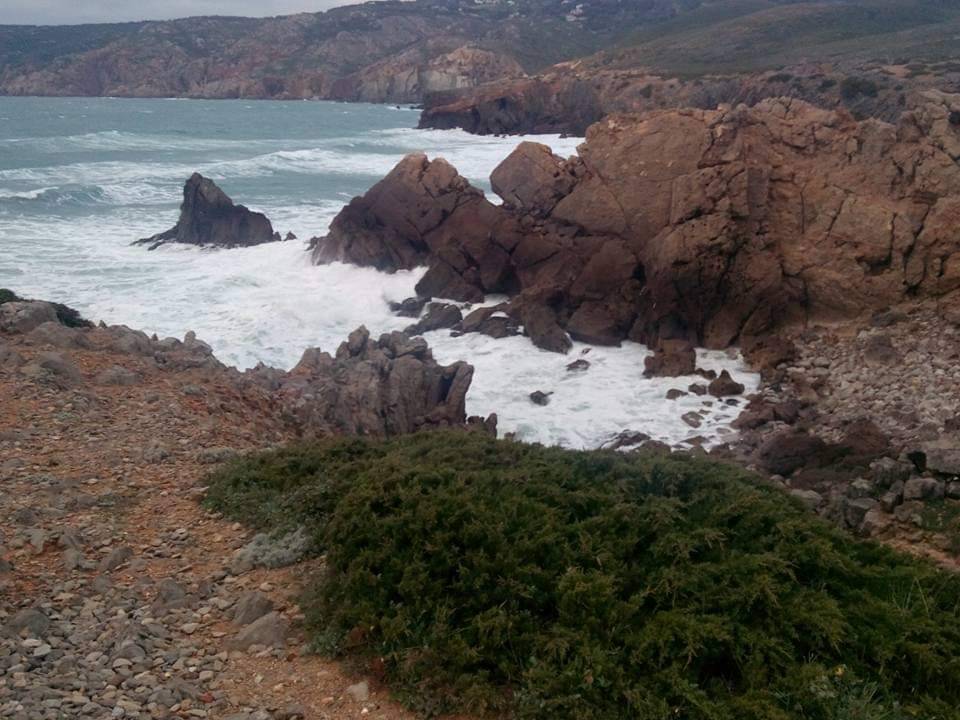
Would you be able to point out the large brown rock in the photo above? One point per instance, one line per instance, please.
(391, 226)
(209, 217)
(730, 223)
(532, 178)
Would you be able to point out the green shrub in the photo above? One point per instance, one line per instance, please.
(852, 88)
(491, 575)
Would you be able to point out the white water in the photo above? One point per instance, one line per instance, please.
(74, 195)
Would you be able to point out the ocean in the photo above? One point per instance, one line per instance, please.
(82, 178)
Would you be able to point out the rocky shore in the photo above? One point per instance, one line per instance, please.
(120, 597)
(821, 245)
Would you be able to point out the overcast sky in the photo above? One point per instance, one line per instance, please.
(68, 12)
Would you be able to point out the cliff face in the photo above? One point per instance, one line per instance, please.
(385, 51)
(686, 225)
(571, 97)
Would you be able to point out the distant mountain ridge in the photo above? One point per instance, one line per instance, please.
(379, 51)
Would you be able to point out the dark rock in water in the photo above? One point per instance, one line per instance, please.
(438, 317)
(540, 398)
(209, 217)
(673, 358)
(675, 393)
(411, 307)
(725, 386)
(579, 366)
(627, 439)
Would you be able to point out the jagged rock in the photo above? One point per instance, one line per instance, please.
(540, 324)
(730, 223)
(22, 317)
(532, 178)
(540, 398)
(438, 316)
(673, 358)
(372, 387)
(725, 386)
(411, 307)
(396, 224)
(209, 217)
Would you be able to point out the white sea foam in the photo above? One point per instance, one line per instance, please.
(65, 232)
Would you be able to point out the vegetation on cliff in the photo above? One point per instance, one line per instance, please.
(493, 575)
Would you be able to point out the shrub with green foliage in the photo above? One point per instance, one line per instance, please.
(498, 576)
(852, 88)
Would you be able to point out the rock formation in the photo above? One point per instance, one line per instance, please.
(209, 217)
(369, 387)
(372, 387)
(570, 97)
(712, 227)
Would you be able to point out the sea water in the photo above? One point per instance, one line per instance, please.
(80, 179)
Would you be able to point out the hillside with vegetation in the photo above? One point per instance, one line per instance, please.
(496, 576)
(382, 51)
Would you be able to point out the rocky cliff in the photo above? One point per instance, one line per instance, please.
(381, 51)
(570, 97)
(713, 227)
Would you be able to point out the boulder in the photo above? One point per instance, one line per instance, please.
(437, 317)
(209, 217)
(724, 386)
(673, 358)
(943, 455)
(22, 317)
(923, 488)
(532, 179)
(270, 631)
(788, 451)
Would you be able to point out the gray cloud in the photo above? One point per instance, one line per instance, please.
(68, 12)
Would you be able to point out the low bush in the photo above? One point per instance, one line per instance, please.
(852, 88)
(493, 576)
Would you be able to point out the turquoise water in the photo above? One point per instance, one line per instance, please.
(80, 179)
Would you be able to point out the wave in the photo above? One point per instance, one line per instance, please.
(80, 195)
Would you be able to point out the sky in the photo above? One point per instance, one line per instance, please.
(69, 12)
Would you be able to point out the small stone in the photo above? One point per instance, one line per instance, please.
(115, 559)
(359, 692)
(251, 607)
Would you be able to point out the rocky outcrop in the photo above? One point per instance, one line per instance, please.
(572, 96)
(711, 227)
(209, 217)
(379, 387)
(369, 387)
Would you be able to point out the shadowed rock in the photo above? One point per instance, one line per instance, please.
(209, 217)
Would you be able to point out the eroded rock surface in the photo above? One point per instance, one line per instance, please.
(713, 227)
(209, 217)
